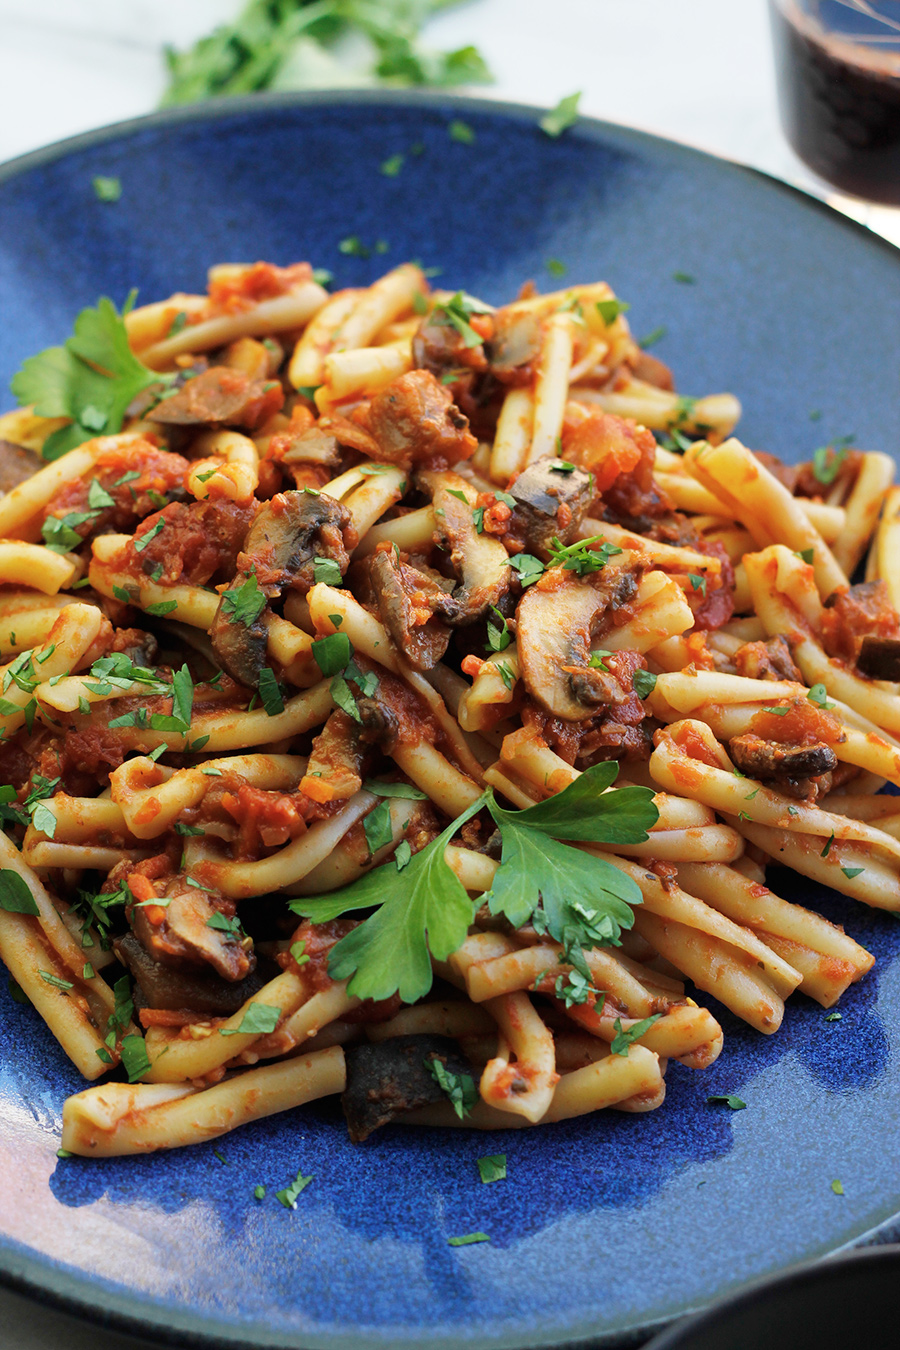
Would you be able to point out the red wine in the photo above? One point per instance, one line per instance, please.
(840, 103)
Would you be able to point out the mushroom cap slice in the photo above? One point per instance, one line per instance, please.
(552, 499)
(407, 599)
(479, 560)
(556, 621)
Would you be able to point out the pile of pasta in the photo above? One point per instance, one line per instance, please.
(543, 557)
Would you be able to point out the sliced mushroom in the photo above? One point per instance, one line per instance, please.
(161, 986)
(515, 346)
(176, 932)
(552, 499)
(771, 660)
(768, 759)
(557, 620)
(407, 601)
(289, 532)
(479, 560)
(880, 658)
(414, 420)
(334, 771)
(389, 1078)
(222, 396)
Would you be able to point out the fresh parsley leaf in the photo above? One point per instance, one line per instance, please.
(827, 849)
(354, 247)
(391, 166)
(461, 131)
(468, 1239)
(87, 971)
(834, 1017)
(60, 533)
(332, 653)
(623, 1039)
(106, 189)
(326, 570)
(343, 697)
(98, 497)
(223, 924)
(581, 558)
(93, 375)
(15, 894)
(492, 1168)
(270, 692)
(573, 988)
(288, 1196)
(828, 459)
(528, 568)
(478, 519)
(377, 827)
(456, 313)
(609, 310)
(408, 790)
(686, 278)
(807, 555)
(644, 682)
(141, 543)
(135, 1060)
(43, 819)
(161, 609)
(560, 118)
(837, 1187)
(459, 1088)
(50, 978)
(298, 952)
(651, 339)
(818, 694)
(322, 276)
(498, 635)
(244, 603)
(851, 872)
(555, 267)
(504, 670)
(259, 1020)
(698, 582)
(259, 1192)
(735, 1103)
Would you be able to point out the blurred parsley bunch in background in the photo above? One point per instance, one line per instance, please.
(319, 44)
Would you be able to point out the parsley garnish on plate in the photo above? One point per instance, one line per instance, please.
(91, 379)
(106, 189)
(581, 558)
(288, 1196)
(468, 1239)
(423, 910)
(734, 1103)
(492, 1168)
(560, 118)
(459, 1088)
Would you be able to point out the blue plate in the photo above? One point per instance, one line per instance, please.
(609, 1224)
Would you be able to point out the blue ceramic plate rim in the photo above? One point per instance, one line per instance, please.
(133, 1313)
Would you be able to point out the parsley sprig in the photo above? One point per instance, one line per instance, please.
(582, 558)
(91, 379)
(423, 910)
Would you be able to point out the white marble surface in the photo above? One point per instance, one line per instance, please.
(695, 70)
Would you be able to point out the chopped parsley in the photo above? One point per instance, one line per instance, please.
(609, 310)
(244, 603)
(581, 558)
(408, 790)
(818, 694)
(288, 1197)
(651, 339)
(456, 313)
(15, 894)
(834, 1017)
(259, 1020)
(402, 854)
(560, 118)
(468, 1239)
(492, 1168)
(498, 635)
(851, 872)
(644, 682)
(461, 131)
(827, 849)
(270, 692)
(259, 1192)
(377, 827)
(135, 1060)
(555, 267)
(807, 555)
(528, 568)
(326, 570)
(161, 609)
(148, 536)
(50, 978)
(332, 653)
(459, 1088)
(391, 166)
(573, 989)
(837, 1187)
(504, 670)
(698, 582)
(623, 1039)
(734, 1103)
(828, 459)
(686, 278)
(106, 189)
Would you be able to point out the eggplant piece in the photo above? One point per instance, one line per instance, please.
(162, 986)
(389, 1078)
(407, 600)
(287, 535)
(879, 658)
(769, 759)
(551, 502)
(479, 560)
(557, 620)
(17, 464)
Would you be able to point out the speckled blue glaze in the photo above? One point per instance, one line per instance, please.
(608, 1224)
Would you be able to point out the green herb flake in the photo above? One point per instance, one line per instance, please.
(528, 568)
(298, 952)
(377, 827)
(161, 609)
(732, 1102)
(492, 1168)
(407, 790)
(50, 978)
(135, 1059)
(326, 570)
(623, 1039)
(609, 310)
(827, 849)
(87, 971)
(332, 653)
(644, 682)
(651, 338)
(807, 555)
(461, 131)
(244, 603)
(818, 694)
(459, 1088)
(851, 872)
(391, 166)
(260, 1019)
(288, 1197)
(555, 267)
(686, 278)
(270, 692)
(834, 1017)
(560, 118)
(498, 635)
(141, 543)
(402, 855)
(259, 1192)
(468, 1239)
(582, 558)
(106, 189)
(837, 1187)
(15, 894)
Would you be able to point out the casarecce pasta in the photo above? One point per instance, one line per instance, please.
(325, 631)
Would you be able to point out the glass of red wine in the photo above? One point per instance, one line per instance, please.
(838, 69)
